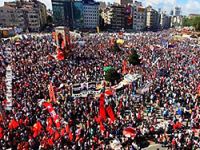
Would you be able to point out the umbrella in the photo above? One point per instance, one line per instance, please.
(129, 132)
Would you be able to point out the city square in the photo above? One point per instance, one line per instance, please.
(127, 87)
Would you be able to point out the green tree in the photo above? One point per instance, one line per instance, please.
(112, 76)
(187, 22)
(134, 58)
(49, 20)
(195, 22)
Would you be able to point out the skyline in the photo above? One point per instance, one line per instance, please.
(187, 6)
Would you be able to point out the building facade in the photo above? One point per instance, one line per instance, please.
(124, 2)
(29, 15)
(165, 20)
(139, 16)
(91, 14)
(78, 14)
(176, 21)
(128, 17)
(152, 18)
(33, 21)
(8, 17)
(177, 11)
(106, 15)
(63, 12)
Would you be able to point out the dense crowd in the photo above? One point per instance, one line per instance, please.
(168, 113)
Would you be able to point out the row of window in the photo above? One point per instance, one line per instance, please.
(7, 11)
(88, 17)
(33, 16)
(91, 8)
(91, 12)
(90, 21)
(91, 18)
(90, 25)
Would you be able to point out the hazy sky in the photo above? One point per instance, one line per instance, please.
(188, 6)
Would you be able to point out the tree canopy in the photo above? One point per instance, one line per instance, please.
(194, 21)
(112, 76)
(134, 58)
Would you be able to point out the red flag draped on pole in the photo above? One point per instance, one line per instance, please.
(60, 55)
(110, 113)
(52, 113)
(70, 136)
(124, 67)
(52, 93)
(62, 132)
(102, 112)
(56, 136)
(1, 133)
(67, 129)
(102, 128)
(37, 127)
(50, 142)
(49, 123)
(13, 124)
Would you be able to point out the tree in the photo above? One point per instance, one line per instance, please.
(49, 20)
(134, 58)
(112, 76)
(187, 22)
(195, 22)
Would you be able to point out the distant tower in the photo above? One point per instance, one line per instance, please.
(159, 10)
(171, 13)
(177, 11)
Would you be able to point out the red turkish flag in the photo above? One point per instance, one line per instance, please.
(102, 128)
(67, 129)
(62, 132)
(70, 136)
(50, 142)
(13, 124)
(124, 67)
(37, 129)
(56, 136)
(102, 112)
(1, 132)
(110, 113)
(60, 55)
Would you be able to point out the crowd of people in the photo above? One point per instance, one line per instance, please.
(167, 113)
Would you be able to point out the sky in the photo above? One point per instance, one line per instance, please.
(187, 6)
